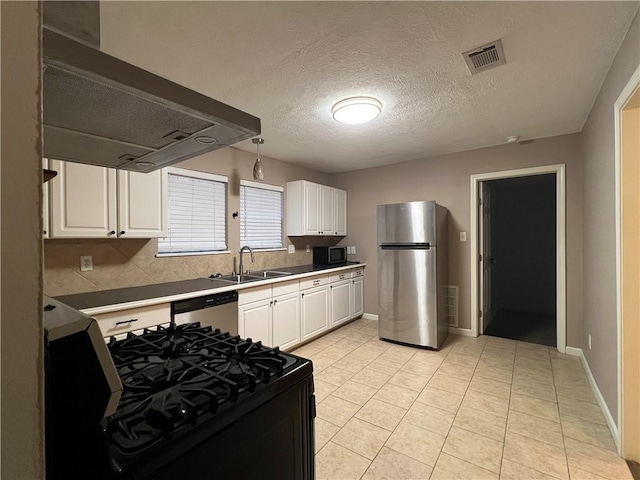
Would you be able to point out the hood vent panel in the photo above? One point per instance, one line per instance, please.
(103, 111)
(485, 57)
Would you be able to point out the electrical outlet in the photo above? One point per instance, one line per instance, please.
(308, 248)
(86, 263)
(589, 341)
(292, 249)
(353, 250)
(463, 236)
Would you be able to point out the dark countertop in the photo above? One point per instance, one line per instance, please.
(83, 301)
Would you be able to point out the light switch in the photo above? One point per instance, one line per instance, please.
(292, 249)
(463, 236)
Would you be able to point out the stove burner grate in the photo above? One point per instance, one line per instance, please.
(174, 375)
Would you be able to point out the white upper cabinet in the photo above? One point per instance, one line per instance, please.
(340, 216)
(89, 201)
(312, 208)
(142, 204)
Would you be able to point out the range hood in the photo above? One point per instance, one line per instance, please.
(103, 111)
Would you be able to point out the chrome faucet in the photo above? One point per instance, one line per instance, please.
(246, 247)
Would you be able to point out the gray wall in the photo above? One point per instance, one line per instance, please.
(523, 243)
(598, 146)
(21, 239)
(446, 179)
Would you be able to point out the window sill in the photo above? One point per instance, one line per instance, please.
(190, 254)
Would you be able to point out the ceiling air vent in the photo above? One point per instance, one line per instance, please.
(485, 57)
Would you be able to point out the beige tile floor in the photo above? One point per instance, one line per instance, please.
(479, 408)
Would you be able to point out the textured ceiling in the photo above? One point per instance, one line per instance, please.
(289, 62)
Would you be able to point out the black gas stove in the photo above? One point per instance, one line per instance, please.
(196, 404)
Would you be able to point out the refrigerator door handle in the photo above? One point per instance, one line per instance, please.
(406, 246)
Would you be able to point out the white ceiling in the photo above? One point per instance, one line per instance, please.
(289, 62)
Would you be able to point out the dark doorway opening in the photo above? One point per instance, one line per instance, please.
(523, 259)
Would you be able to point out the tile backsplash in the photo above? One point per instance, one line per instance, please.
(120, 263)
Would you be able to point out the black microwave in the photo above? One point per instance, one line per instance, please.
(329, 255)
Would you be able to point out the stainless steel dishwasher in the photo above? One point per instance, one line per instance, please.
(218, 310)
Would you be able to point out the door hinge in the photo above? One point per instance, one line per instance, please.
(480, 258)
(480, 313)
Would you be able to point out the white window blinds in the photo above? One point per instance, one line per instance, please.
(261, 213)
(197, 213)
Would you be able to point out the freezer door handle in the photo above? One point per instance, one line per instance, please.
(405, 246)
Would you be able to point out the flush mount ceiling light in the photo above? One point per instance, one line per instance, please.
(258, 171)
(356, 110)
(513, 139)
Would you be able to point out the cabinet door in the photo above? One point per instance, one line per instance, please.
(142, 204)
(314, 308)
(312, 219)
(340, 217)
(340, 302)
(254, 321)
(83, 200)
(286, 320)
(357, 295)
(326, 210)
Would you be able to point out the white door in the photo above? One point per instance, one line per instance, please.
(83, 200)
(486, 260)
(254, 321)
(45, 203)
(340, 302)
(142, 209)
(314, 308)
(311, 208)
(286, 320)
(327, 210)
(340, 217)
(357, 292)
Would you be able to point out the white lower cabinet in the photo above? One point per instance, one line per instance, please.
(340, 302)
(270, 315)
(286, 320)
(357, 296)
(254, 321)
(314, 308)
(115, 324)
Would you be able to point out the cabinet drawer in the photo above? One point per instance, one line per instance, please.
(338, 277)
(359, 272)
(314, 282)
(249, 295)
(135, 319)
(284, 288)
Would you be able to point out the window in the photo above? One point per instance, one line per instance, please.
(261, 215)
(197, 213)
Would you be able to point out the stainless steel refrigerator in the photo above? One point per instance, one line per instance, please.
(412, 273)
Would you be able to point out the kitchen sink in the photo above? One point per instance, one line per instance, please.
(251, 277)
(270, 274)
(238, 278)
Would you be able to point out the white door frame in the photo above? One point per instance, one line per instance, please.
(561, 244)
(624, 97)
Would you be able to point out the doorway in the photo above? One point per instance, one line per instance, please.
(519, 252)
(627, 128)
(479, 292)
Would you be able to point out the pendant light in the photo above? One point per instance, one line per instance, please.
(258, 171)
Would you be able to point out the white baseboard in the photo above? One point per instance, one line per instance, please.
(465, 332)
(573, 351)
(594, 386)
(370, 316)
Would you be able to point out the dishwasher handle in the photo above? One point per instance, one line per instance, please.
(200, 303)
